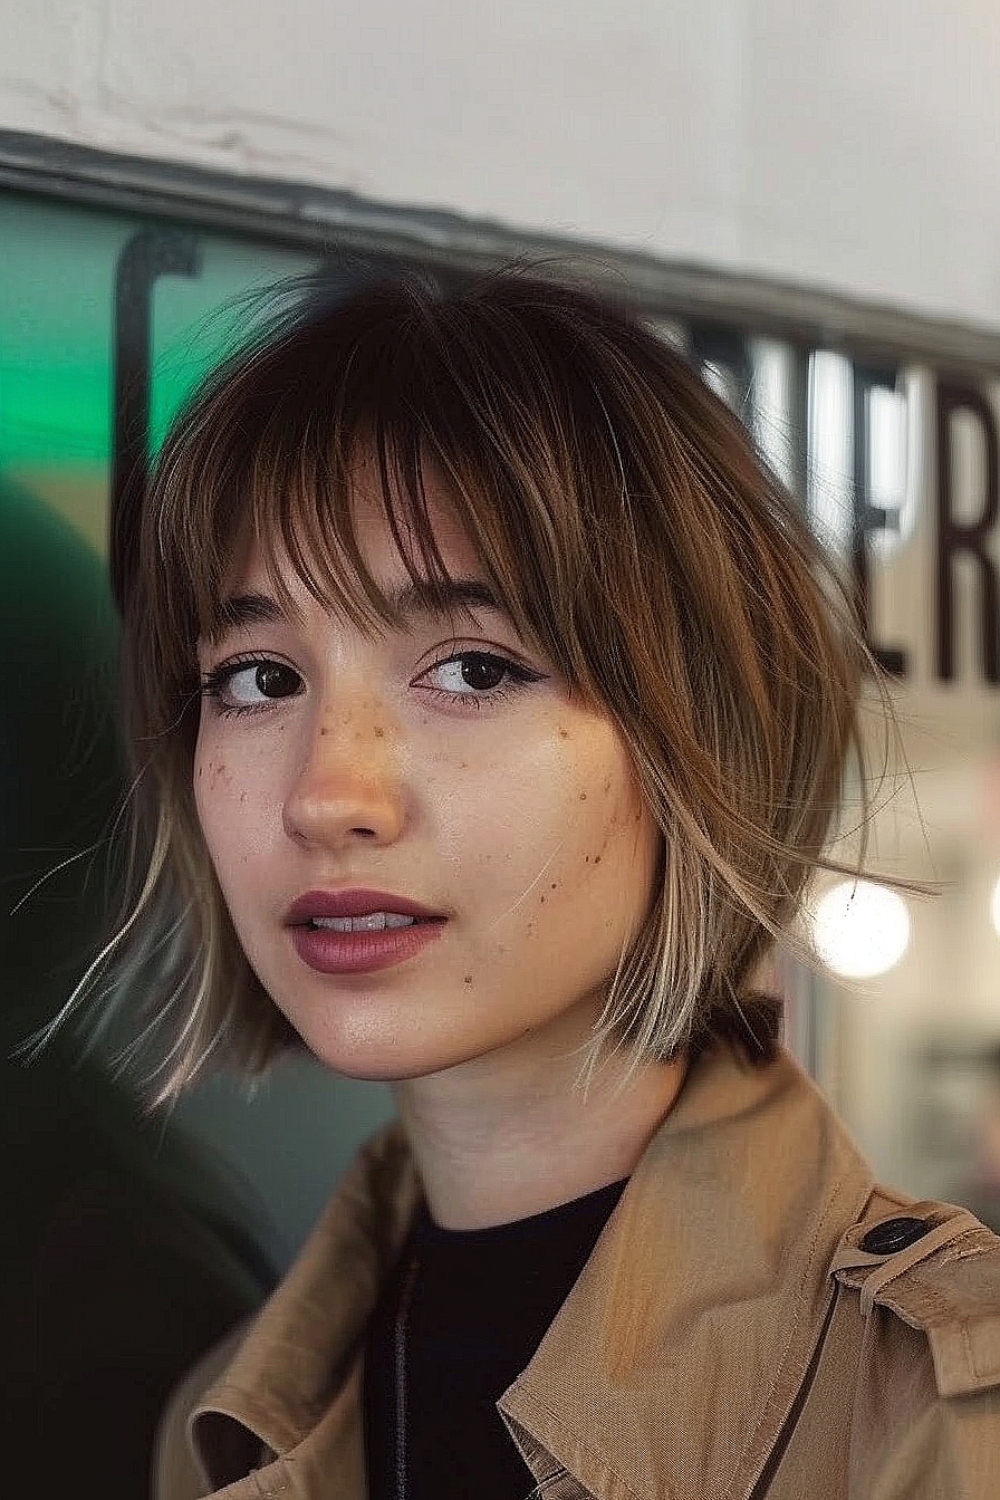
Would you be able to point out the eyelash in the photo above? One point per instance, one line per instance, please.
(213, 683)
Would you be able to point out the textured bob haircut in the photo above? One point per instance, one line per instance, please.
(622, 517)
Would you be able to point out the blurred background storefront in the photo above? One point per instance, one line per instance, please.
(802, 198)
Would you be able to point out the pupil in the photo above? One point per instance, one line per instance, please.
(267, 680)
(474, 668)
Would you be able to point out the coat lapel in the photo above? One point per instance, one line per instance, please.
(294, 1385)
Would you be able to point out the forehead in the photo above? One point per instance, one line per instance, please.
(373, 533)
(263, 571)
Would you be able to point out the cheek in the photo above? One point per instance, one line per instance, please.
(617, 842)
(215, 793)
(572, 838)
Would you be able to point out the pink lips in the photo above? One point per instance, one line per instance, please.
(331, 952)
(353, 903)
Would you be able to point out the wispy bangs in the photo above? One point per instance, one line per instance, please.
(272, 451)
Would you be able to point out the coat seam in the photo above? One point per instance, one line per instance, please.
(820, 1226)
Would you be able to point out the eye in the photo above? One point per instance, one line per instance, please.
(234, 683)
(475, 677)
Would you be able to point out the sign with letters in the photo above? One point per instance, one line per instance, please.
(896, 462)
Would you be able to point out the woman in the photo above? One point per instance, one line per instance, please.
(492, 705)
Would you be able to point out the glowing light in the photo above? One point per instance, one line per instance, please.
(861, 929)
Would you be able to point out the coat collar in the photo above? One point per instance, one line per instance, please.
(704, 1297)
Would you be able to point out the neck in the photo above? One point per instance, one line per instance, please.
(496, 1141)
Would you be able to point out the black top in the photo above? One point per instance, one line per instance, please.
(481, 1301)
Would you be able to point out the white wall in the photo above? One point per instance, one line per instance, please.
(853, 144)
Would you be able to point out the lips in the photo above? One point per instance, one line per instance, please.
(355, 903)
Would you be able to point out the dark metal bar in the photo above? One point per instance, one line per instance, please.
(325, 219)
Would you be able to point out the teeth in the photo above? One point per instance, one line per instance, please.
(375, 922)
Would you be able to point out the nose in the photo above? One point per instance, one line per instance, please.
(346, 784)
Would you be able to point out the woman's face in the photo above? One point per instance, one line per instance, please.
(357, 763)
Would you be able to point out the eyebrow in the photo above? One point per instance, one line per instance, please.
(410, 599)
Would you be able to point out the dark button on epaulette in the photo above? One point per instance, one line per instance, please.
(894, 1235)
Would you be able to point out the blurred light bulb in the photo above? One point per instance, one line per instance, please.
(861, 929)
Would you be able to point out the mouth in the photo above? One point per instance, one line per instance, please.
(346, 945)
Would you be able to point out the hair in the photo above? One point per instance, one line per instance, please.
(621, 515)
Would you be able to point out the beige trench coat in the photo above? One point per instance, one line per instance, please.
(728, 1337)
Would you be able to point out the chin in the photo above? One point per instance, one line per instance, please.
(365, 1070)
(367, 1058)
(383, 1062)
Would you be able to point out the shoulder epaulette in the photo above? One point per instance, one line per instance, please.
(938, 1268)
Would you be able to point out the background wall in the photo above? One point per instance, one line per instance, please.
(853, 144)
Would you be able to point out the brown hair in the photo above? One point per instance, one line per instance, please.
(622, 517)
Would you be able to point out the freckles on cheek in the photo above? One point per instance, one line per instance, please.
(612, 819)
(216, 792)
(213, 775)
